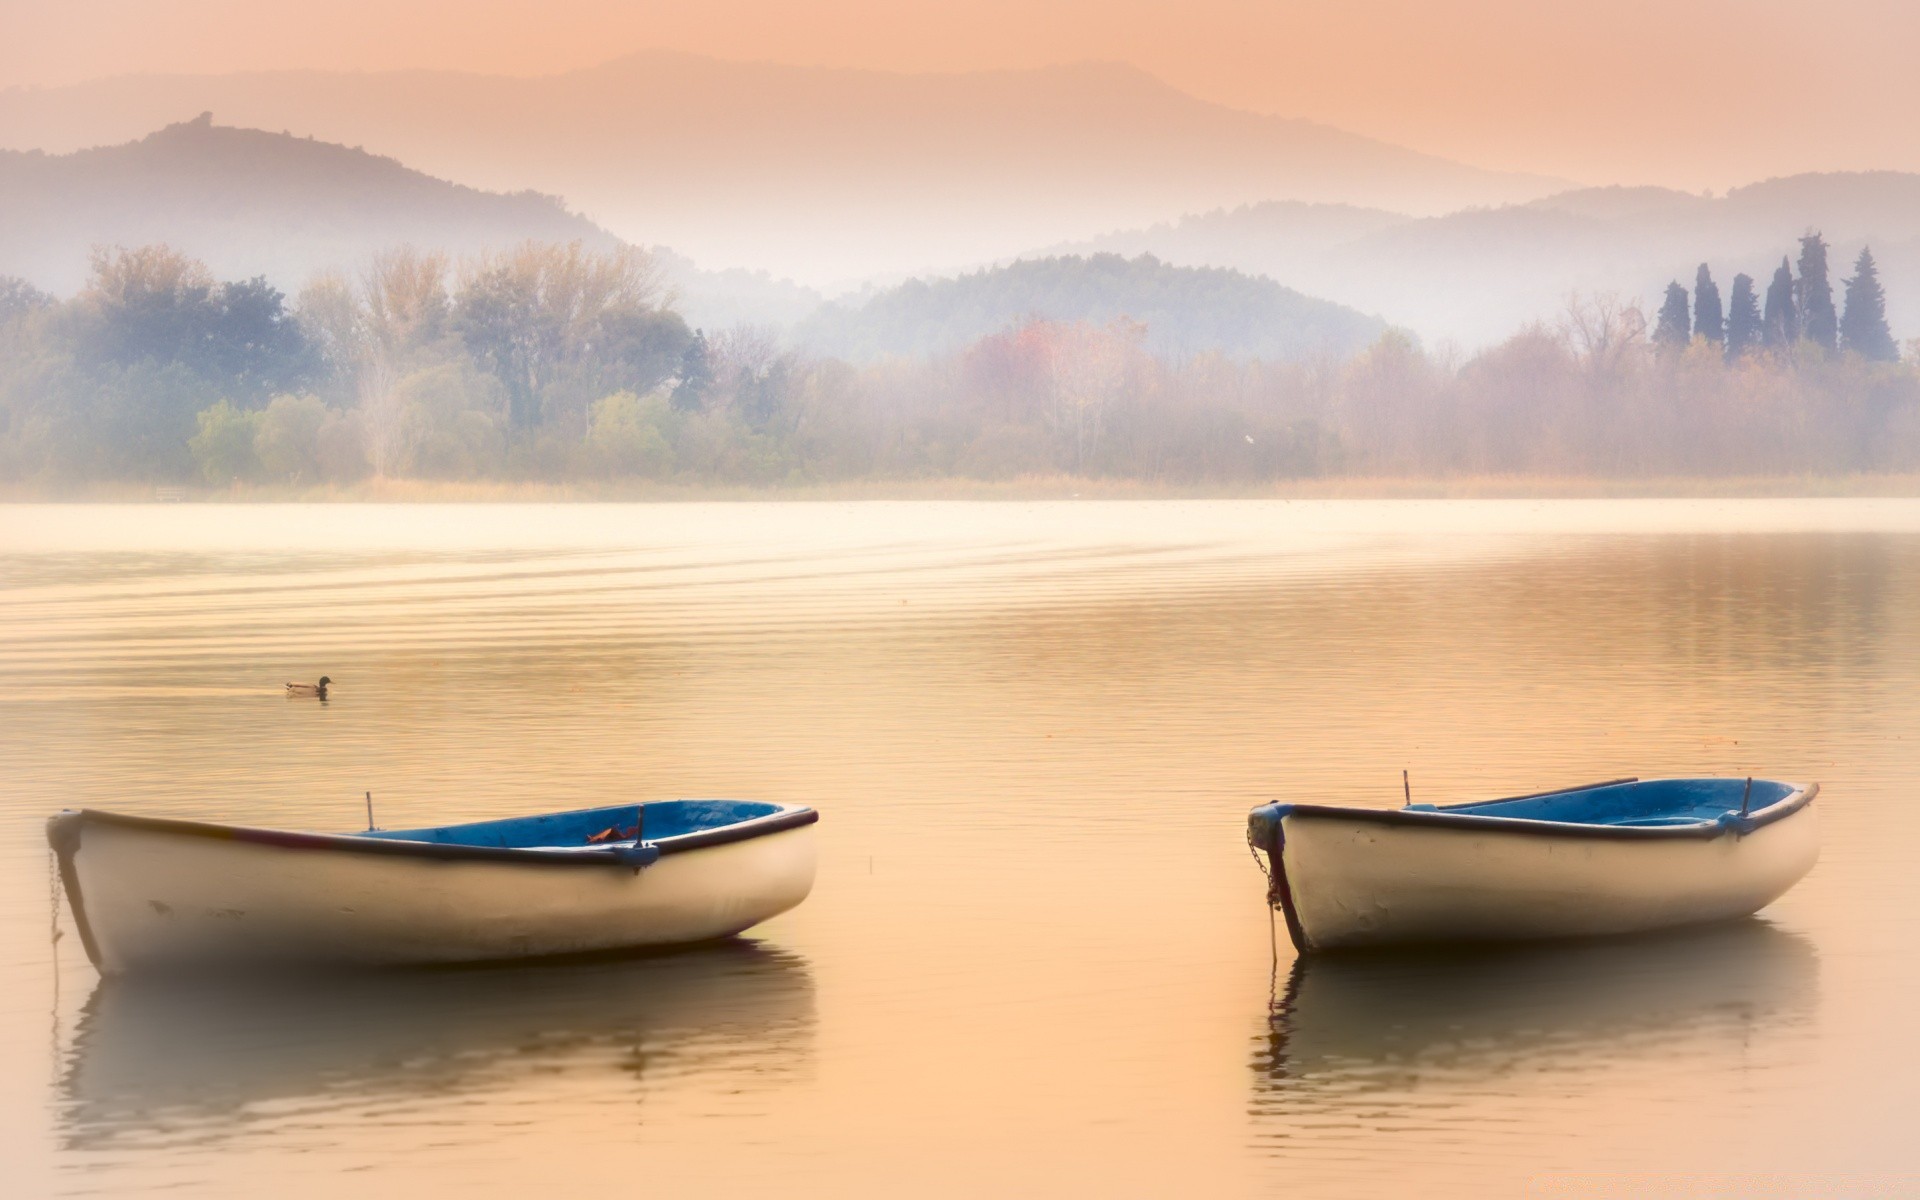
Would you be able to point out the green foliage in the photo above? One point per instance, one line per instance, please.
(131, 422)
(41, 432)
(287, 441)
(223, 448)
(626, 435)
(1863, 329)
(453, 422)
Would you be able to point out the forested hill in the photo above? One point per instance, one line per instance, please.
(1276, 238)
(1475, 276)
(1185, 311)
(248, 202)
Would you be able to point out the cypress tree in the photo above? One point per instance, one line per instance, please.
(1863, 329)
(1818, 323)
(1782, 326)
(1707, 322)
(1744, 329)
(1671, 331)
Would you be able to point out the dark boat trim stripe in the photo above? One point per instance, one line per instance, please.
(1276, 855)
(63, 834)
(284, 839)
(1442, 819)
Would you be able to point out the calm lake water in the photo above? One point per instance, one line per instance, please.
(1036, 960)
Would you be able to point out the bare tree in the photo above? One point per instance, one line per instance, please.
(532, 312)
(1604, 331)
(406, 299)
(374, 331)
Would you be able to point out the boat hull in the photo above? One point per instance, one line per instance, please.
(1355, 878)
(149, 895)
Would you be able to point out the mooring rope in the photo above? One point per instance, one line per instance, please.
(54, 890)
(53, 906)
(1273, 934)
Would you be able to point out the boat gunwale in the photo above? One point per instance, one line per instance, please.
(1448, 818)
(789, 816)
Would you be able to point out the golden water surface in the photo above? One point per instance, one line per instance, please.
(1036, 960)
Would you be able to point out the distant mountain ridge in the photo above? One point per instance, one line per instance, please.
(1475, 276)
(248, 203)
(823, 174)
(1185, 311)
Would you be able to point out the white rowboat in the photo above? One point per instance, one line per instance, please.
(151, 893)
(1621, 857)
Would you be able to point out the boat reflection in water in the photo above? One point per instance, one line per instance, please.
(159, 1060)
(1357, 1028)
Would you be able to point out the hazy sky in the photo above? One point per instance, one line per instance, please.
(1690, 93)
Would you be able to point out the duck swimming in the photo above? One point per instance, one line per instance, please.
(310, 689)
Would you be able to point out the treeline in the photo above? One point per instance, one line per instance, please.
(1798, 308)
(413, 368)
(554, 363)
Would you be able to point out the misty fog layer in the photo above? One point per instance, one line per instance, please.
(557, 363)
(248, 203)
(827, 176)
(223, 305)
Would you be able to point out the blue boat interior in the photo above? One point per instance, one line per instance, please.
(658, 819)
(1652, 803)
(1629, 804)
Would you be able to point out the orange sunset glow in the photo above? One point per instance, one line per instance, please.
(959, 598)
(1695, 94)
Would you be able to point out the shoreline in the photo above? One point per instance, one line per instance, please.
(1490, 487)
